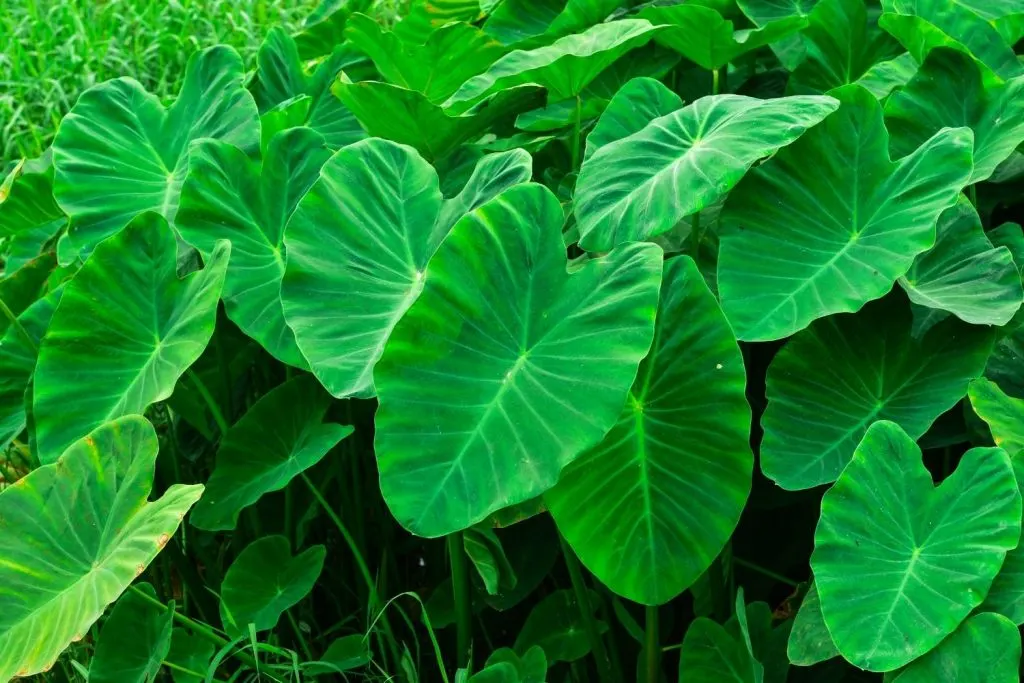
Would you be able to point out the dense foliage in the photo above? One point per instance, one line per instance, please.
(692, 329)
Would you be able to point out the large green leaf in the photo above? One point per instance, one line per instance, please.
(701, 34)
(119, 152)
(636, 104)
(855, 369)
(809, 641)
(922, 25)
(841, 45)
(97, 363)
(228, 197)
(565, 67)
(19, 350)
(1006, 596)
(899, 562)
(358, 246)
(281, 436)
(523, 364)
(963, 273)
(87, 521)
(452, 55)
(408, 117)
(984, 649)
(833, 221)
(949, 91)
(644, 184)
(280, 77)
(264, 581)
(134, 641)
(652, 505)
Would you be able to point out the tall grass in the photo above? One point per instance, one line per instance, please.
(52, 50)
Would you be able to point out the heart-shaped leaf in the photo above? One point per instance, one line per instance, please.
(635, 105)
(898, 562)
(369, 225)
(134, 641)
(949, 90)
(833, 220)
(228, 197)
(679, 453)
(98, 363)
(111, 468)
(280, 77)
(264, 581)
(281, 436)
(841, 45)
(701, 34)
(855, 369)
(644, 184)
(984, 649)
(526, 364)
(408, 117)
(564, 68)
(555, 625)
(963, 273)
(119, 153)
(451, 55)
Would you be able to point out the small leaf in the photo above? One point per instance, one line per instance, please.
(929, 553)
(41, 613)
(527, 364)
(834, 221)
(343, 654)
(711, 654)
(555, 625)
(264, 581)
(984, 649)
(189, 652)
(483, 547)
(810, 642)
(98, 363)
(134, 640)
(1003, 414)
(856, 369)
(280, 437)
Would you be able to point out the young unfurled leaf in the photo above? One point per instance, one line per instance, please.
(833, 220)
(950, 90)
(358, 245)
(280, 77)
(228, 197)
(42, 612)
(97, 363)
(643, 184)
(280, 437)
(983, 649)
(899, 563)
(963, 273)
(134, 640)
(564, 68)
(679, 453)
(701, 34)
(526, 365)
(451, 55)
(855, 369)
(264, 581)
(119, 153)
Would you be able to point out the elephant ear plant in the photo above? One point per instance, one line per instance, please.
(581, 341)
